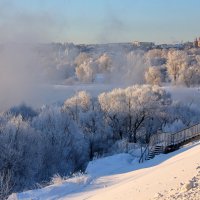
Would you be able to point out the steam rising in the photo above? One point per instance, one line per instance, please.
(21, 26)
(21, 70)
(20, 74)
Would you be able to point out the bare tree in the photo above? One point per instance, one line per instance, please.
(6, 184)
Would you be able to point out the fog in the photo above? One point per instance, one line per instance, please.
(23, 77)
(21, 25)
(20, 74)
(21, 67)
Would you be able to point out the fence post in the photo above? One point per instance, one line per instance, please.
(172, 139)
(184, 135)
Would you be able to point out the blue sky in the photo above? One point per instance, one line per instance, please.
(100, 21)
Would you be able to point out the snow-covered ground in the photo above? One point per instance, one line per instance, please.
(167, 176)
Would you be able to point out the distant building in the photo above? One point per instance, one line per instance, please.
(197, 43)
(143, 44)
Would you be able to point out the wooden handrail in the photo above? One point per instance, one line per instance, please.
(143, 153)
(148, 148)
(167, 139)
(183, 129)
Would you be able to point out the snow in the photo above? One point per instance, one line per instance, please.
(117, 163)
(167, 176)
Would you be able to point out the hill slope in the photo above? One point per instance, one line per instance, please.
(170, 176)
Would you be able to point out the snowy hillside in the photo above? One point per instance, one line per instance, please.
(169, 176)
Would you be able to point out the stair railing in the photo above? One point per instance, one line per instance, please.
(183, 135)
(148, 148)
(167, 139)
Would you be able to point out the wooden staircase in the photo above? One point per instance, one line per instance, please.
(158, 149)
(167, 142)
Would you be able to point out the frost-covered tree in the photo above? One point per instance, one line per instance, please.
(145, 104)
(105, 64)
(57, 61)
(183, 68)
(81, 58)
(25, 111)
(176, 64)
(34, 150)
(86, 112)
(77, 104)
(126, 110)
(155, 57)
(94, 130)
(20, 147)
(85, 68)
(188, 114)
(153, 76)
(86, 71)
(191, 76)
(64, 150)
(113, 107)
(134, 68)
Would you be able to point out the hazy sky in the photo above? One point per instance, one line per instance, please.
(99, 21)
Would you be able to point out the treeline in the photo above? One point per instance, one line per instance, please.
(61, 139)
(68, 64)
(179, 67)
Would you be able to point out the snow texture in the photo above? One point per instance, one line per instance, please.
(170, 176)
